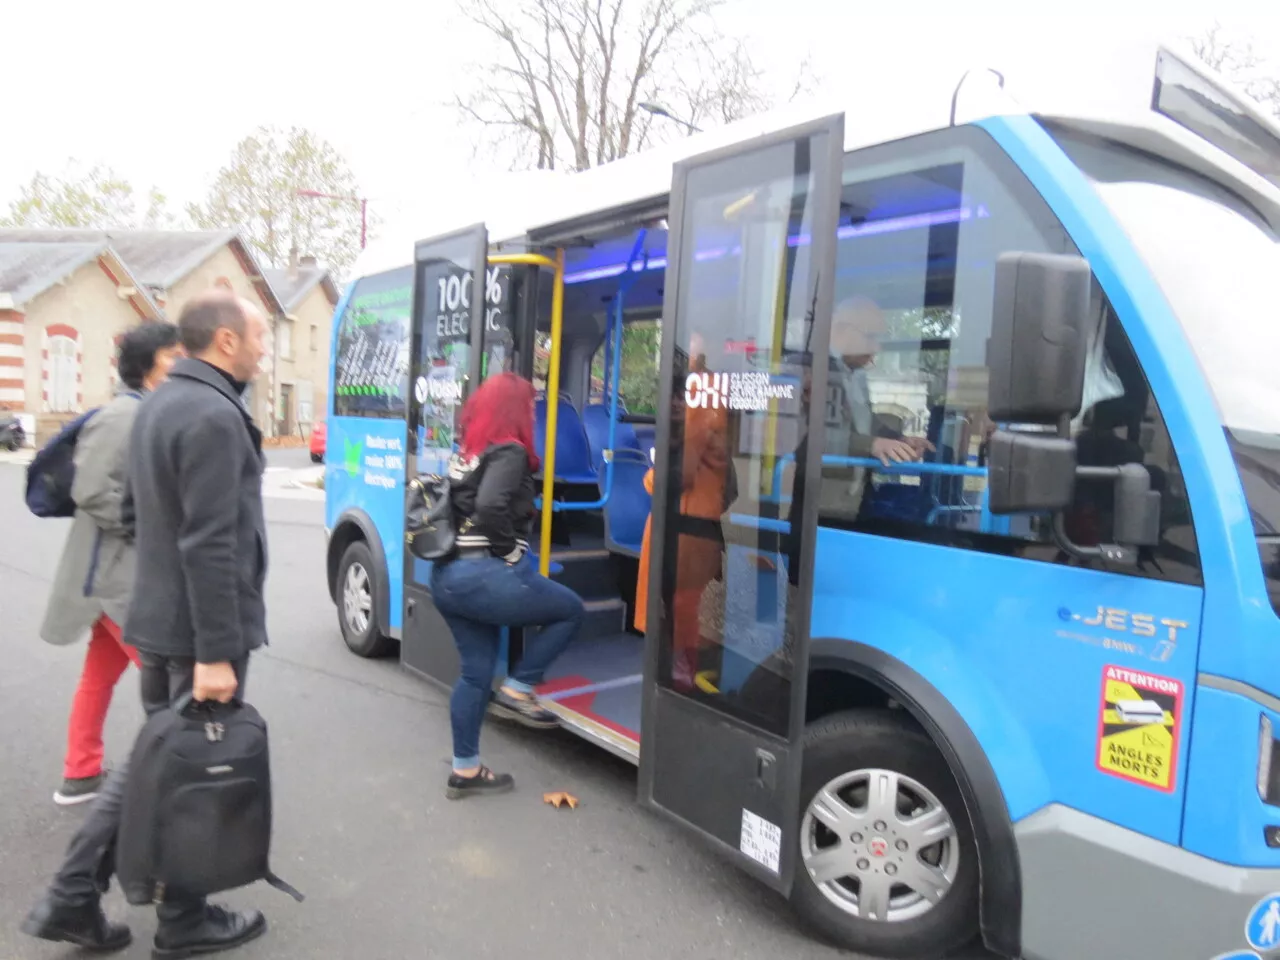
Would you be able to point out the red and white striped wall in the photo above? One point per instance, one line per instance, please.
(13, 388)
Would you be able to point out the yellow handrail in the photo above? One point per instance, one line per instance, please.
(553, 391)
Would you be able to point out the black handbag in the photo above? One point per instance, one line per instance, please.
(429, 529)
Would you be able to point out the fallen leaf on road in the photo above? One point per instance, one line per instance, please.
(559, 798)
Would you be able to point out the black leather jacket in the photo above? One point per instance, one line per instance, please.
(495, 491)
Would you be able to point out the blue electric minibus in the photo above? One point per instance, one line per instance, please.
(921, 476)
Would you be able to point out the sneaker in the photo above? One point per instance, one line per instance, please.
(526, 711)
(486, 781)
(78, 790)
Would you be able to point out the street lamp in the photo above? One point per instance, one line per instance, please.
(364, 209)
(658, 110)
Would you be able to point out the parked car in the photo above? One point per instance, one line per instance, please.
(318, 431)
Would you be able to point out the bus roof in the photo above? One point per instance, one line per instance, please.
(1111, 95)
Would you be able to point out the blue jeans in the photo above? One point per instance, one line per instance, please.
(477, 597)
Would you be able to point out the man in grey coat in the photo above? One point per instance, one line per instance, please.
(95, 576)
(195, 499)
(858, 326)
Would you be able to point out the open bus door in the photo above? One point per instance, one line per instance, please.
(446, 343)
(751, 257)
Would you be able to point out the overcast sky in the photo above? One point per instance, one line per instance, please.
(161, 91)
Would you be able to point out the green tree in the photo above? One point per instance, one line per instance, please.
(641, 341)
(97, 199)
(259, 192)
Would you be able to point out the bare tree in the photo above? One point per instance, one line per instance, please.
(567, 87)
(1237, 60)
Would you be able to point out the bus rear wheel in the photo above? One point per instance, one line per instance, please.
(886, 862)
(357, 611)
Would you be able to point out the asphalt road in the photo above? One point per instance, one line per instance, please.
(360, 753)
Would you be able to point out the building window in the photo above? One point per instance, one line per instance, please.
(63, 375)
(305, 394)
(284, 331)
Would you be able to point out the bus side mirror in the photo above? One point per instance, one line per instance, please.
(1030, 473)
(1039, 338)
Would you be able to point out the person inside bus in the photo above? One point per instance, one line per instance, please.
(858, 327)
(707, 486)
(490, 581)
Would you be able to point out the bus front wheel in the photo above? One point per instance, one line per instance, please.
(887, 863)
(357, 610)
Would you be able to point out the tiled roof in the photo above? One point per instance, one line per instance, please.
(158, 258)
(292, 287)
(29, 269)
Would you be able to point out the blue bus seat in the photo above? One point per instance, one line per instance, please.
(646, 436)
(595, 417)
(629, 503)
(573, 454)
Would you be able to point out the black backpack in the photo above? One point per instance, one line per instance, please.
(196, 815)
(51, 473)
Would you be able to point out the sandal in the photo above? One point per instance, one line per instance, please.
(478, 784)
(526, 711)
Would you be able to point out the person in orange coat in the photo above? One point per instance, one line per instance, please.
(704, 475)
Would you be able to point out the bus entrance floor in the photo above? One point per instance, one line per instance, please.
(595, 689)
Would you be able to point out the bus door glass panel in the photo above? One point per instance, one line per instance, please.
(499, 354)
(748, 308)
(443, 350)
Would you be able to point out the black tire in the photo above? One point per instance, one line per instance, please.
(317, 458)
(369, 641)
(886, 740)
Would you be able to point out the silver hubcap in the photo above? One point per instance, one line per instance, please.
(357, 599)
(879, 845)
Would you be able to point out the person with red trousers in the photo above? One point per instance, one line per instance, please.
(94, 582)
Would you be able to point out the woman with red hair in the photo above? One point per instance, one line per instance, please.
(490, 582)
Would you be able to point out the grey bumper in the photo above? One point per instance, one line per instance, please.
(1094, 891)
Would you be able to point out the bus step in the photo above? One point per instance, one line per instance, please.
(602, 618)
(589, 573)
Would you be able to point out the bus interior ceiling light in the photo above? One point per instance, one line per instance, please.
(914, 221)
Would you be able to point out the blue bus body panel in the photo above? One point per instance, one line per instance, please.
(1229, 815)
(1239, 632)
(1004, 640)
(364, 469)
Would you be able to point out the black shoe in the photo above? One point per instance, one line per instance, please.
(85, 925)
(526, 711)
(218, 929)
(78, 790)
(486, 781)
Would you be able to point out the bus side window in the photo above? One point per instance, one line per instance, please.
(915, 278)
(371, 362)
(639, 373)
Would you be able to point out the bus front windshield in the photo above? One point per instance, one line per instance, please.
(1217, 262)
